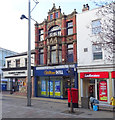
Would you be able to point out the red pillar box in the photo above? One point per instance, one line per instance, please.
(74, 97)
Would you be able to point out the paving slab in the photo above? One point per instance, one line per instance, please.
(16, 107)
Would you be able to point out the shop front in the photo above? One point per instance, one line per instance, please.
(53, 81)
(18, 79)
(94, 84)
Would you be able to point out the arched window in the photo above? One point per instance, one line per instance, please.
(54, 31)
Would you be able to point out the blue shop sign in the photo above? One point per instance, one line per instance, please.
(52, 72)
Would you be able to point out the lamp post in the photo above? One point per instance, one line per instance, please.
(29, 58)
(29, 55)
(29, 50)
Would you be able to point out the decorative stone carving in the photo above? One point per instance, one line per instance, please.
(69, 39)
(41, 44)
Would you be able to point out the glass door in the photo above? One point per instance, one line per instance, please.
(57, 88)
(50, 87)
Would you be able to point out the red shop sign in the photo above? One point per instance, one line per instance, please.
(113, 74)
(103, 91)
(94, 75)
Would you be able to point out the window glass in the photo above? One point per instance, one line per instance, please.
(96, 26)
(97, 55)
(17, 63)
(60, 56)
(70, 24)
(70, 31)
(25, 62)
(8, 64)
(41, 57)
(51, 16)
(70, 28)
(54, 31)
(41, 35)
(53, 56)
(56, 15)
(41, 31)
(70, 45)
(70, 55)
(41, 50)
(53, 47)
(97, 52)
(70, 52)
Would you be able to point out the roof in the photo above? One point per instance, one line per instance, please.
(21, 54)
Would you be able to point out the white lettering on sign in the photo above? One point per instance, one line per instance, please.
(55, 67)
(90, 75)
(59, 72)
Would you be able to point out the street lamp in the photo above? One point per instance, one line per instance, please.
(29, 51)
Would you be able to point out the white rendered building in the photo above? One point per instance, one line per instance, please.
(96, 66)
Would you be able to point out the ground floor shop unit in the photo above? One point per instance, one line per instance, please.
(18, 79)
(100, 85)
(52, 81)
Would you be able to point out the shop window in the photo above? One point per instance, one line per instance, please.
(41, 57)
(8, 64)
(97, 52)
(96, 27)
(54, 31)
(70, 53)
(41, 35)
(56, 15)
(70, 28)
(18, 63)
(50, 86)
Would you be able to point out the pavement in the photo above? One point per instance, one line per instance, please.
(14, 106)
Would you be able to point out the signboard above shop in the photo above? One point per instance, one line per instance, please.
(94, 75)
(61, 70)
(113, 74)
(16, 73)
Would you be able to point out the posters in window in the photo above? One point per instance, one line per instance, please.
(103, 91)
(43, 87)
(57, 88)
(50, 88)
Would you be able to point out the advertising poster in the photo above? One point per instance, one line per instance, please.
(50, 88)
(43, 87)
(57, 88)
(103, 91)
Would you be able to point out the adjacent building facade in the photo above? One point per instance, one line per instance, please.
(96, 73)
(16, 70)
(56, 53)
(4, 53)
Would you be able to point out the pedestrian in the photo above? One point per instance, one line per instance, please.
(93, 101)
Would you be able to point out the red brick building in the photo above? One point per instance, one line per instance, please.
(55, 43)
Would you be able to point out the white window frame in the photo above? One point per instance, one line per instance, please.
(96, 51)
(96, 28)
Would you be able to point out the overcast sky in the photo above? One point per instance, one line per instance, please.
(14, 31)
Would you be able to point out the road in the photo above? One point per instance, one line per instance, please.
(16, 107)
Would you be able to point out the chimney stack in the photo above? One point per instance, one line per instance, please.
(85, 7)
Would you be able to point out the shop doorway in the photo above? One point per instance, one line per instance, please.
(91, 88)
